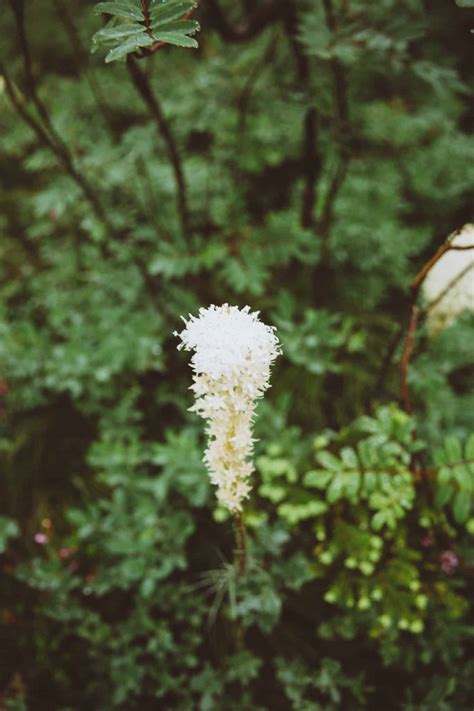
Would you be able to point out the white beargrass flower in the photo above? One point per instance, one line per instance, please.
(448, 288)
(233, 354)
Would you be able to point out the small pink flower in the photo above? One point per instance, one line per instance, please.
(65, 553)
(41, 539)
(448, 562)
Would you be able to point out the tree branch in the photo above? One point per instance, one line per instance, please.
(326, 219)
(53, 140)
(143, 86)
(310, 159)
(311, 166)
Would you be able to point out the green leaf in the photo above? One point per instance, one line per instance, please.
(349, 457)
(461, 506)
(370, 481)
(445, 474)
(378, 520)
(469, 448)
(329, 461)
(352, 484)
(129, 46)
(443, 495)
(185, 27)
(113, 33)
(170, 11)
(334, 491)
(453, 449)
(121, 9)
(176, 38)
(463, 476)
(318, 478)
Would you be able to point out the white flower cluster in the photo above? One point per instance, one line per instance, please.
(449, 285)
(233, 354)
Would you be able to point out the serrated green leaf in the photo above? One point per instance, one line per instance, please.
(318, 478)
(462, 475)
(185, 27)
(120, 9)
(443, 495)
(461, 506)
(370, 481)
(114, 33)
(444, 475)
(349, 457)
(368, 424)
(329, 461)
(453, 449)
(334, 491)
(378, 520)
(352, 484)
(170, 11)
(366, 454)
(176, 38)
(129, 46)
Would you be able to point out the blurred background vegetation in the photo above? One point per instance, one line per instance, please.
(307, 159)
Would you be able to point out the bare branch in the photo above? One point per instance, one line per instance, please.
(143, 86)
(50, 136)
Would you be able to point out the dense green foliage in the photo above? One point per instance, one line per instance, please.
(306, 159)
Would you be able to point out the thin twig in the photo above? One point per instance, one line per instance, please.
(326, 219)
(312, 168)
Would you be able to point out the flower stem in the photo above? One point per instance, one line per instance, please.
(241, 543)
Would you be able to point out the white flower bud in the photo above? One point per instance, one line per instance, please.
(449, 285)
(233, 354)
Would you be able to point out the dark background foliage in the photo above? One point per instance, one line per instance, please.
(307, 159)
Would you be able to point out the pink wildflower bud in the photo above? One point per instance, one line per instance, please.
(41, 539)
(448, 562)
